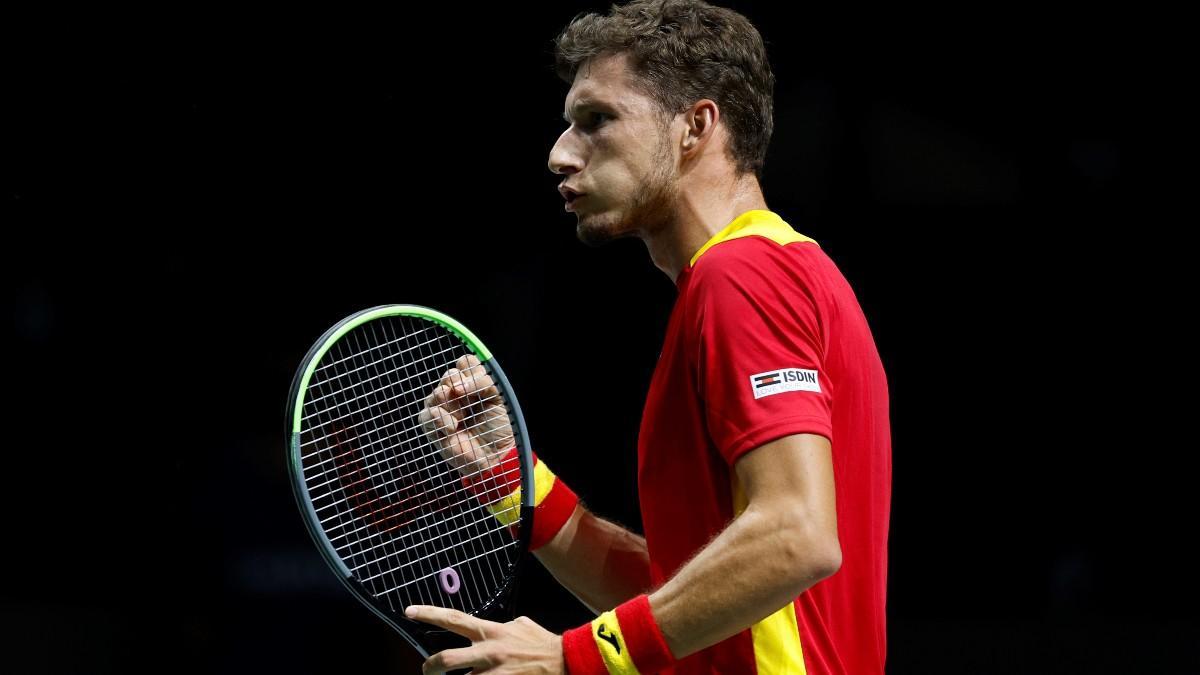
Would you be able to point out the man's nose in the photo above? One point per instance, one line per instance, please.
(564, 156)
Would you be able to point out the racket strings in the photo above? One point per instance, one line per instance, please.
(380, 456)
(400, 515)
(335, 362)
(437, 368)
(427, 547)
(495, 527)
(498, 398)
(390, 548)
(432, 480)
(380, 452)
(363, 382)
(411, 533)
(465, 501)
(484, 415)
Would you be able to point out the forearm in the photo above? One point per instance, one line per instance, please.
(757, 565)
(599, 562)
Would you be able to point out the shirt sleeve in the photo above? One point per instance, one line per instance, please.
(761, 351)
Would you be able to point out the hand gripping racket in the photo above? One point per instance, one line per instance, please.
(393, 414)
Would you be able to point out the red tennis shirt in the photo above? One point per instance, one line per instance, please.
(767, 339)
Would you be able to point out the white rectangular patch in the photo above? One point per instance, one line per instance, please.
(785, 379)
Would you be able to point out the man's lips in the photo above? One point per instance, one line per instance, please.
(571, 196)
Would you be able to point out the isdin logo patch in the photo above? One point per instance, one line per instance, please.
(784, 379)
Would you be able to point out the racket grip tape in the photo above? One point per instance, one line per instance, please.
(623, 641)
(554, 502)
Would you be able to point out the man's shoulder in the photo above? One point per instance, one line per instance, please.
(750, 259)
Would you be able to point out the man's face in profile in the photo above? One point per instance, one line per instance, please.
(616, 158)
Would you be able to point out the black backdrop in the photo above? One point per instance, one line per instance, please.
(191, 199)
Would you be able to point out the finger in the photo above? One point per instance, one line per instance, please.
(444, 394)
(426, 420)
(479, 389)
(489, 394)
(437, 422)
(455, 388)
(449, 399)
(454, 659)
(436, 396)
(480, 382)
(472, 379)
(474, 371)
(437, 400)
(461, 623)
(465, 362)
(459, 447)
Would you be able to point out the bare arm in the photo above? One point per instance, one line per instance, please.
(780, 545)
(601, 563)
(783, 543)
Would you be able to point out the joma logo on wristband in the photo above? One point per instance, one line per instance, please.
(603, 634)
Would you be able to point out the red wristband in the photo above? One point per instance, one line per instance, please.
(624, 640)
(552, 513)
(499, 488)
(580, 654)
(497, 482)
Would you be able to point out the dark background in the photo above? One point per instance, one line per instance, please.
(191, 199)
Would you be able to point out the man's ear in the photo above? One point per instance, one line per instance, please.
(701, 123)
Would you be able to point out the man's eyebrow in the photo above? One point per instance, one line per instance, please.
(584, 104)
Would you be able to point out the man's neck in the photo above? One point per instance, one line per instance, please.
(700, 213)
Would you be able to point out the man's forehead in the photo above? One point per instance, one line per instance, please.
(606, 66)
(602, 80)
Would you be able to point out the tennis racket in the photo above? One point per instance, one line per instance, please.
(392, 413)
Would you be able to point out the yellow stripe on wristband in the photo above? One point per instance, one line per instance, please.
(606, 631)
(508, 510)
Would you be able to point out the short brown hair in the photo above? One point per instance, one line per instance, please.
(682, 51)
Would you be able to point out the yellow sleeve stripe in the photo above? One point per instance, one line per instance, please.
(508, 510)
(606, 631)
(777, 649)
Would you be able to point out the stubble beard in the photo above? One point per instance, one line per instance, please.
(649, 210)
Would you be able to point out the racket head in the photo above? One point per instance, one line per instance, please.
(389, 515)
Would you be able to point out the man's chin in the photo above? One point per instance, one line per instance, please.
(594, 233)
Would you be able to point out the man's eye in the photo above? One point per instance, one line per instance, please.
(596, 119)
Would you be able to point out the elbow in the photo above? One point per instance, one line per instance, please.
(828, 562)
(811, 557)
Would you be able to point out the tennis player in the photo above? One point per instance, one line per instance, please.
(764, 456)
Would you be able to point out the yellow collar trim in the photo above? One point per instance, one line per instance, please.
(760, 223)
